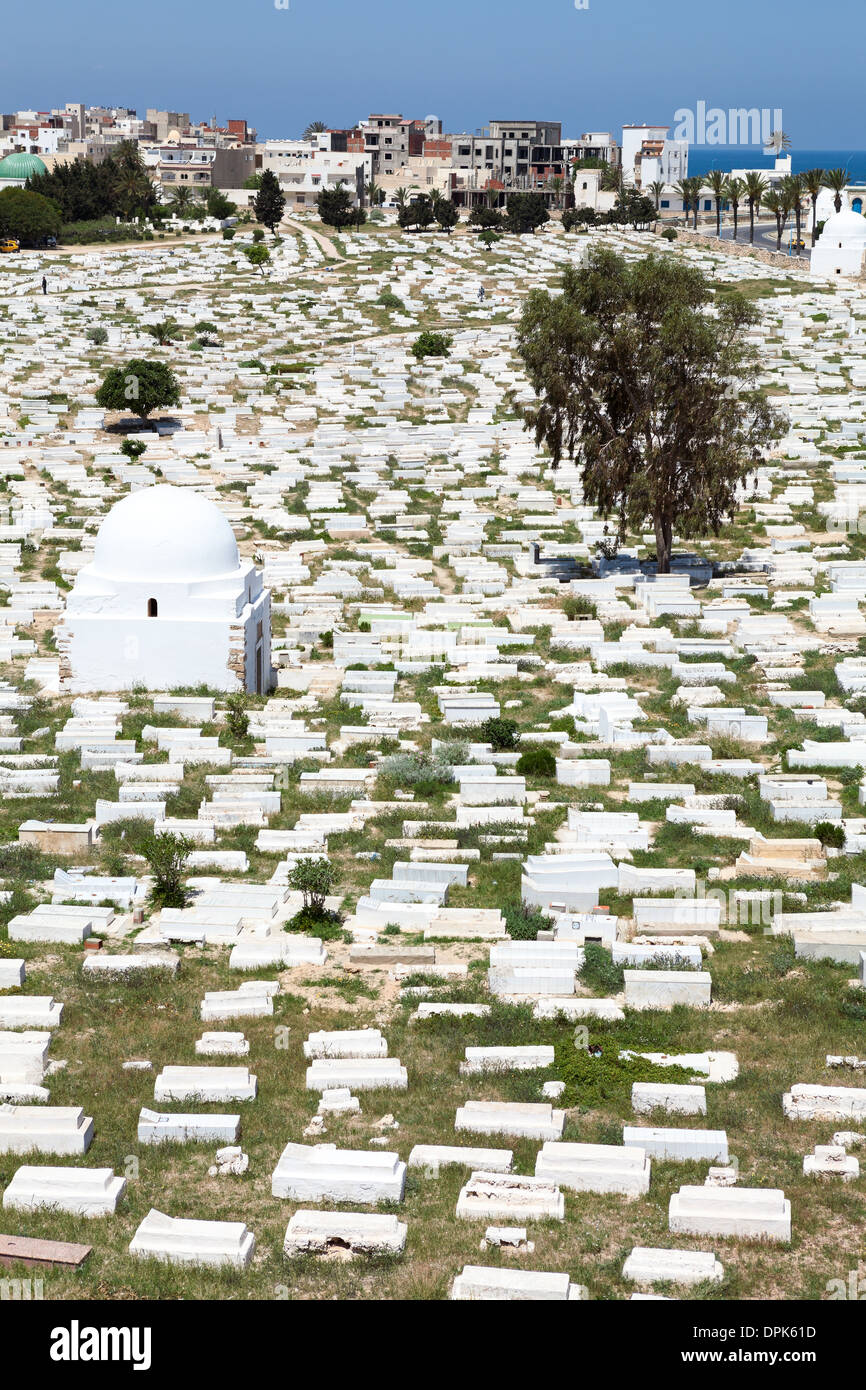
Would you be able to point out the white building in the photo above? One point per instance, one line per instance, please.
(650, 156)
(841, 246)
(304, 171)
(166, 601)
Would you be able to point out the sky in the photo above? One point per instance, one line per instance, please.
(466, 61)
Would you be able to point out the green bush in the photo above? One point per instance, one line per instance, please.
(501, 734)
(166, 855)
(314, 879)
(830, 834)
(599, 971)
(429, 344)
(669, 234)
(524, 923)
(536, 762)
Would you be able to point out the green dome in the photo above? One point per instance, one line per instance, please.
(21, 166)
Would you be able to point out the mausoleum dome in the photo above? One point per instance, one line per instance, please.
(846, 225)
(21, 165)
(165, 534)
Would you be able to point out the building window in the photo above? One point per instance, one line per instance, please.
(152, 608)
(666, 202)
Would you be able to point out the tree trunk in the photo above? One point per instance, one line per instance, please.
(664, 538)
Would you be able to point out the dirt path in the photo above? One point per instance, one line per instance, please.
(322, 241)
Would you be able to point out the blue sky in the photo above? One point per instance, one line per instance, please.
(466, 60)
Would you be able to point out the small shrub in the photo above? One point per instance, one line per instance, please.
(430, 344)
(536, 762)
(133, 448)
(830, 835)
(166, 856)
(524, 923)
(237, 719)
(501, 734)
(314, 879)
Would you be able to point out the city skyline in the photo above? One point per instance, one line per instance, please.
(617, 61)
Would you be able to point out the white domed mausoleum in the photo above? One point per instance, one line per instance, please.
(166, 601)
(840, 248)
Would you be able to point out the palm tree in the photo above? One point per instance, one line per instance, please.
(657, 188)
(793, 189)
(756, 187)
(736, 190)
(717, 183)
(132, 189)
(612, 179)
(690, 191)
(776, 203)
(684, 190)
(556, 184)
(836, 180)
(401, 196)
(777, 142)
(314, 128)
(813, 182)
(374, 193)
(182, 200)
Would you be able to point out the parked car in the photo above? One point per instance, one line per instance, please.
(9, 243)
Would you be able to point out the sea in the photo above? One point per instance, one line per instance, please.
(703, 158)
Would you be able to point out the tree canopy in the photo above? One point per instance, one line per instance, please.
(139, 385)
(28, 216)
(336, 208)
(417, 212)
(270, 201)
(645, 378)
(119, 187)
(525, 212)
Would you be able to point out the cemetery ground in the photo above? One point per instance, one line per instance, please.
(775, 1014)
(326, 418)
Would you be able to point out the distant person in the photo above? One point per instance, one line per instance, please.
(480, 294)
(44, 285)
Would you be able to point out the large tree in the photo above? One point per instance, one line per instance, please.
(270, 201)
(777, 204)
(837, 181)
(717, 183)
(525, 212)
(655, 397)
(27, 216)
(447, 214)
(336, 208)
(793, 189)
(813, 182)
(417, 212)
(736, 192)
(140, 386)
(756, 190)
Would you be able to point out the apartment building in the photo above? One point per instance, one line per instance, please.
(194, 166)
(512, 154)
(304, 170)
(649, 156)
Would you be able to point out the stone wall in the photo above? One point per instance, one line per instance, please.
(740, 248)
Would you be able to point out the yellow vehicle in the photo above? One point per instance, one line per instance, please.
(9, 243)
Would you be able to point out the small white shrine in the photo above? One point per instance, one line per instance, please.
(166, 602)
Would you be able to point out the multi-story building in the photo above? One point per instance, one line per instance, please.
(649, 156)
(304, 169)
(194, 166)
(508, 155)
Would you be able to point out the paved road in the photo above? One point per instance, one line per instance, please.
(765, 236)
